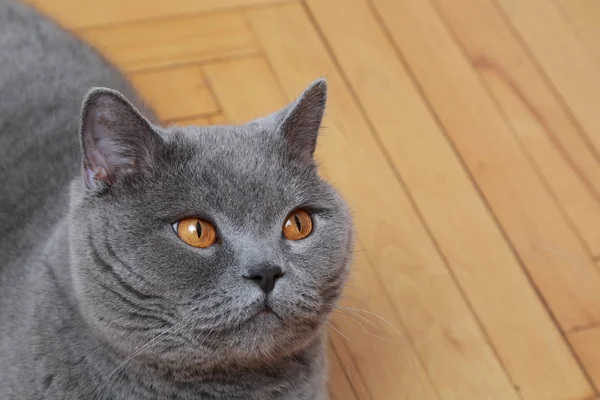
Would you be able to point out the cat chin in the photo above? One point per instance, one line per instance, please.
(191, 367)
(263, 337)
(261, 341)
(263, 344)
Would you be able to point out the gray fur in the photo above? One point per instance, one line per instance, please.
(99, 298)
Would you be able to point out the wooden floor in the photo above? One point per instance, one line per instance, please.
(466, 136)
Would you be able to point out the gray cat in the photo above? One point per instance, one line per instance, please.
(143, 262)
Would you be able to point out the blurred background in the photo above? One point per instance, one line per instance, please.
(465, 134)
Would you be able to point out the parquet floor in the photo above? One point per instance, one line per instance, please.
(466, 136)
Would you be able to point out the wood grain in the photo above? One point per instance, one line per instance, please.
(543, 127)
(584, 16)
(561, 55)
(77, 14)
(172, 42)
(585, 343)
(262, 94)
(488, 273)
(339, 382)
(539, 232)
(185, 88)
(385, 363)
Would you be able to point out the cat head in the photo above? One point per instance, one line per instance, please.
(205, 244)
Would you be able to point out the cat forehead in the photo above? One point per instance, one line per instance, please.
(235, 148)
(229, 167)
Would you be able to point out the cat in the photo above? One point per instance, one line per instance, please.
(146, 262)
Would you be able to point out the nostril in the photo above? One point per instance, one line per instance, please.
(278, 273)
(254, 277)
(265, 276)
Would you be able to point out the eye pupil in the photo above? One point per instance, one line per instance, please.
(297, 225)
(199, 229)
(196, 232)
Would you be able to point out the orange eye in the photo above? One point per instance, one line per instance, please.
(196, 232)
(297, 225)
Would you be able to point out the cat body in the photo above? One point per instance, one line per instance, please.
(100, 298)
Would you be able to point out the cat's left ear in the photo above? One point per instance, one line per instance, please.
(115, 138)
(300, 126)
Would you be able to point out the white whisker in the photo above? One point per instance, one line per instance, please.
(375, 315)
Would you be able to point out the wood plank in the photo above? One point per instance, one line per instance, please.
(585, 343)
(542, 126)
(227, 79)
(386, 365)
(584, 15)
(77, 14)
(451, 346)
(171, 42)
(488, 272)
(562, 56)
(362, 355)
(553, 255)
(175, 93)
(339, 383)
(349, 366)
(199, 120)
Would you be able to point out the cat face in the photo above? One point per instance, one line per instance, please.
(206, 245)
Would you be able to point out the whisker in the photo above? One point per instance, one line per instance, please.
(335, 328)
(344, 359)
(377, 316)
(349, 286)
(357, 317)
(363, 303)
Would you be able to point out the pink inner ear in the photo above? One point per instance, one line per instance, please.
(116, 138)
(90, 175)
(96, 168)
(101, 174)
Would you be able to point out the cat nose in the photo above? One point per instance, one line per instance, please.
(265, 276)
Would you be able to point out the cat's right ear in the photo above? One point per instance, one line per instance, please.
(115, 138)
